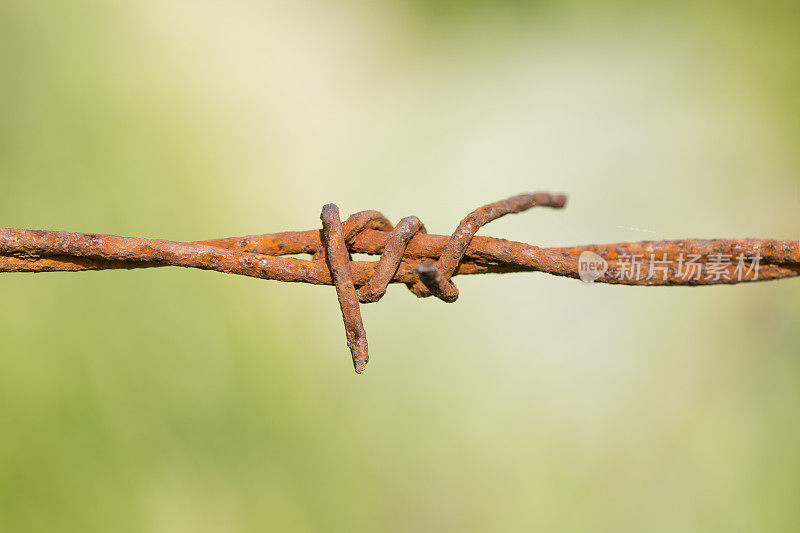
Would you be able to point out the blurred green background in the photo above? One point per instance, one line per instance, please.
(175, 400)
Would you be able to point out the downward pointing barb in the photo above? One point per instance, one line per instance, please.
(338, 259)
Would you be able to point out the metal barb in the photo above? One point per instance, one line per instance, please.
(338, 259)
(408, 254)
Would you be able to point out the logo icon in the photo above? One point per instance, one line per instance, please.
(591, 266)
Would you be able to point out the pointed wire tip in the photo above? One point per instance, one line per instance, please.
(328, 210)
(433, 279)
(550, 200)
(359, 352)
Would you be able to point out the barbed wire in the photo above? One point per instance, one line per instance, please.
(425, 263)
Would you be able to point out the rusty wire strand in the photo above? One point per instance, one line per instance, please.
(389, 262)
(425, 263)
(338, 259)
(436, 280)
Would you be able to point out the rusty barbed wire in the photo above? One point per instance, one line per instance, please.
(425, 263)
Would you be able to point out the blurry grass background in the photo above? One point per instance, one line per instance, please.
(174, 400)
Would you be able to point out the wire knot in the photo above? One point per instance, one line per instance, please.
(431, 279)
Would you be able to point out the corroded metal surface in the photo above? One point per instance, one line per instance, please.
(424, 262)
(338, 260)
(438, 283)
(391, 257)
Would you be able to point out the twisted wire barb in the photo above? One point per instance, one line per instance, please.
(408, 254)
